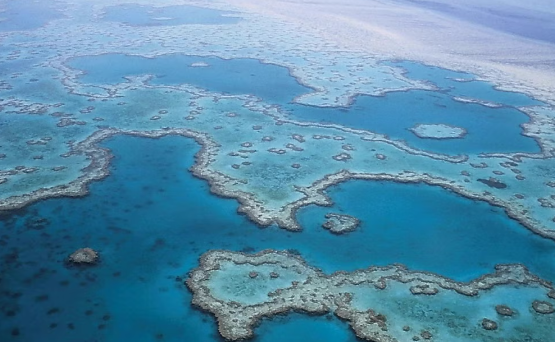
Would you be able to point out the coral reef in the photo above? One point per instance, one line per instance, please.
(84, 256)
(340, 223)
(240, 289)
(438, 131)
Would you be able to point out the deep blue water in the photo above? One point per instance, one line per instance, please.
(302, 328)
(430, 228)
(140, 15)
(151, 220)
(26, 15)
(489, 130)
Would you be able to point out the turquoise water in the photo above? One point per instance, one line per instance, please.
(10, 67)
(26, 15)
(430, 228)
(444, 79)
(228, 76)
(301, 328)
(489, 130)
(151, 220)
(140, 15)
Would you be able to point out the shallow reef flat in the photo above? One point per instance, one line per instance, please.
(380, 304)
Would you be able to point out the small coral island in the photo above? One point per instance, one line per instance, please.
(381, 304)
(438, 131)
(340, 224)
(83, 256)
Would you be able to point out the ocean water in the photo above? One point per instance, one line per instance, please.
(18, 65)
(301, 328)
(228, 76)
(489, 129)
(456, 83)
(26, 15)
(151, 220)
(142, 15)
(431, 229)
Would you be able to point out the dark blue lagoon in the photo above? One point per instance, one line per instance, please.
(301, 328)
(151, 220)
(140, 15)
(430, 228)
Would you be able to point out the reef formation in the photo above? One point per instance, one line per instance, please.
(438, 131)
(381, 304)
(83, 256)
(340, 223)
